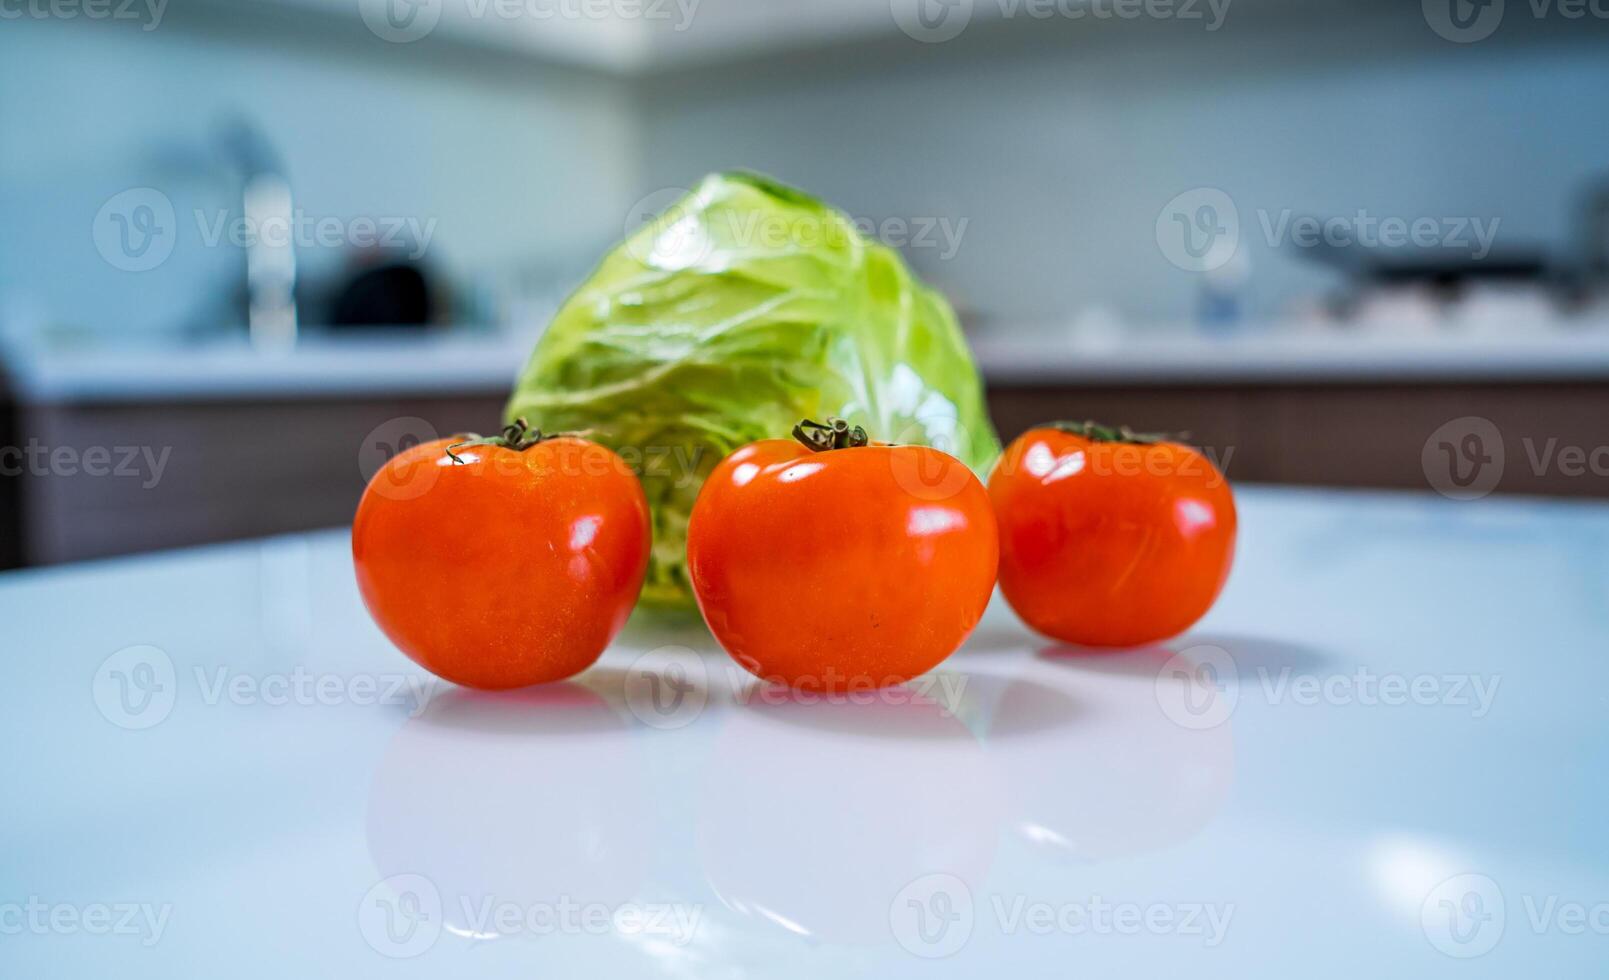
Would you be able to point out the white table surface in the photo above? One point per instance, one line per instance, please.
(1050, 813)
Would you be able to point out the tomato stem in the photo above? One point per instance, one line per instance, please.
(517, 435)
(1096, 432)
(835, 434)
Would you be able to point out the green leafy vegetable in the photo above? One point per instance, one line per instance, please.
(743, 308)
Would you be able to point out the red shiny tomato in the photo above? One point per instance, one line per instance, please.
(502, 563)
(1108, 538)
(839, 565)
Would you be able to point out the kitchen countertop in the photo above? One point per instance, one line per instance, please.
(439, 364)
(1382, 754)
(1293, 358)
(488, 364)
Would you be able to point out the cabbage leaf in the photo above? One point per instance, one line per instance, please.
(743, 308)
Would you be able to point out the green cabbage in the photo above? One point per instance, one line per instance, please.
(743, 308)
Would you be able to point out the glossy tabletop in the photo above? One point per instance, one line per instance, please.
(1385, 752)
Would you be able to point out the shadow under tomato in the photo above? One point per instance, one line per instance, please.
(944, 704)
(565, 707)
(1146, 661)
(1264, 653)
(1012, 707)
(1001, 636)
(903, 711)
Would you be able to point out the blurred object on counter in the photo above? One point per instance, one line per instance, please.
(393, 294)
(1220, 304)
(11, 474)
(1594, 242)
(1428, 289)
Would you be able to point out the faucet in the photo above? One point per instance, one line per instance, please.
(268, 208)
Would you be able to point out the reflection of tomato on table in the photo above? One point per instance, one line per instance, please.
(525, 798)
(1122, 778)
(813, 817)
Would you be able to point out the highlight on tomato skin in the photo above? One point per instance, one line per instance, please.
(503, 562)
(1110, 538)
(834, 564)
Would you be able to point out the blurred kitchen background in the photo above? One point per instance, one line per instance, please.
(1336, 241)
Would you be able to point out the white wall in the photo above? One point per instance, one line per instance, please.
(1056, 143)
(1061, 144)
(520, 166)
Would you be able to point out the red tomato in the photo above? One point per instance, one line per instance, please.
(502, 565)
(842, 566)
(1110, 539)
